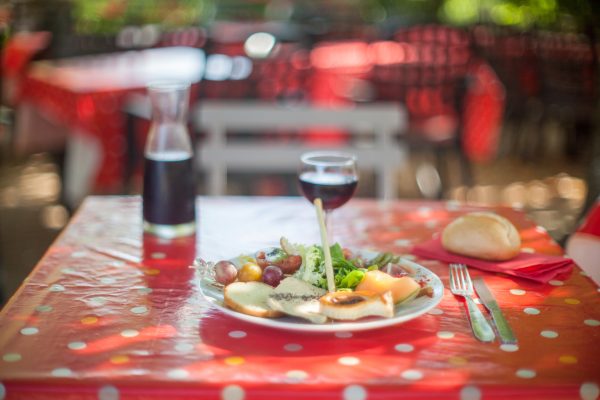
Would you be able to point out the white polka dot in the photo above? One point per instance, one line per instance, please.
(145, 290)
(350, 361)
(108, 392)
(11, 357)
(57, 288)
(296, 375)
(2, 391)
(138, 371)
(97, 301)
(108, 280)
(158, 256)
(527, 250)
(445, 335)
(556, 283)
(237, 334)
(404, 347)
(44, 308)
(549, 334)
(517, 292)
(412, 374)
(29, 331)
(77, 345)
(68, 271)
(292, 347)
(117, 263)
(589, 391)
(431, 223)
(184, 347)
(79, 254)
(178, 373)
(139, 309)
(61, 372)
(402, 242)
(436, 311)
(509, 348)
(531, 311)
(424, 210)
(343, 335)
(129, 333)
(525, 373)
(452, 205)
(592, 322)
(470, 393)
(355, 392)
(233, 392)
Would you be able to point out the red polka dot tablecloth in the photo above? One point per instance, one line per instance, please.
(109, 313)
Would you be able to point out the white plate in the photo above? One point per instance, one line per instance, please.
(403, 313)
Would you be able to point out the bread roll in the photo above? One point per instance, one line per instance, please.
(483, 235)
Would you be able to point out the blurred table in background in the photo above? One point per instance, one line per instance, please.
(217, 155)
(85, 95)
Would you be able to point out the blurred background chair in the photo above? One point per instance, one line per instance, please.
(568, 71)
(432, 70)
(511, 53)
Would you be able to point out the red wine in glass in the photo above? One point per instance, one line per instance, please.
(332, 188)
(329, 175)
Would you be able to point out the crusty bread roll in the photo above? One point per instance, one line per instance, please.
(355, 305)
(482, 235)
(250, 298)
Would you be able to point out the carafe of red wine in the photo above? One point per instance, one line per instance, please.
(169, 185)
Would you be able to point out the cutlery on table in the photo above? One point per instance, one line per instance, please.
(503, 328)
(461, 285)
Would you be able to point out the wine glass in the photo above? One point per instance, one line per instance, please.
(329, 175)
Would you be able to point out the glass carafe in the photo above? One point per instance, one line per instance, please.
(169, 184)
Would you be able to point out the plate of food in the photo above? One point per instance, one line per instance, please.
(285, 287)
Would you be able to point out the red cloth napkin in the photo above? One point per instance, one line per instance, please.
(533, 266)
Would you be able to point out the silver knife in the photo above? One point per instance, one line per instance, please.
(504, 331)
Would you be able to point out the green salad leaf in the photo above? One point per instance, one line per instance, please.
(347, 273)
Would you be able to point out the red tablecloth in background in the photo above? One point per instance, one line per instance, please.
(86, 96)
(96, 113)
(110, 314)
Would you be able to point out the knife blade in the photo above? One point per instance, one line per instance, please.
(487, 298)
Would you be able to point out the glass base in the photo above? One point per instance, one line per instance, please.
(170, 231)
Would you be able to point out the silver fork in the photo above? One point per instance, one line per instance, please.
(461, 285)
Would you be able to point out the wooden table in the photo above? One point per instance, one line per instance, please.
(110, 314)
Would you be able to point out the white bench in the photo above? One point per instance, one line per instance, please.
(217, 155)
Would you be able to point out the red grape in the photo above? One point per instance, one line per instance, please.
(225, 272)
(272, 275)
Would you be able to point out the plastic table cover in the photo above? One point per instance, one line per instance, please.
(111, 314)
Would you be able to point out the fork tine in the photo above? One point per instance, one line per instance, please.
(463, 280)
(452, 283)
(469, 281)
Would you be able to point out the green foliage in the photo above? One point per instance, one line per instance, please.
(109, 16)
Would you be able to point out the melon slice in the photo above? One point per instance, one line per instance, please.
(403, 288)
